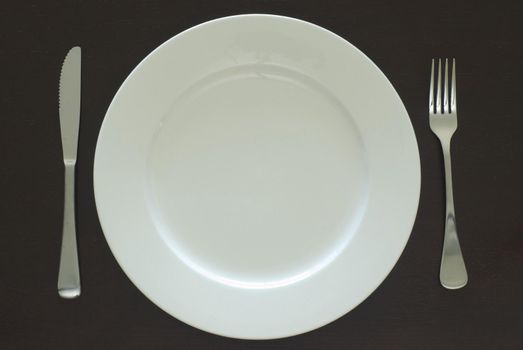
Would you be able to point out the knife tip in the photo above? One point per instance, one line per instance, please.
(75, 50)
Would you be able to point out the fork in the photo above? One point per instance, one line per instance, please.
(444, 122)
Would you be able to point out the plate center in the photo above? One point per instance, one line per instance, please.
(257, 176)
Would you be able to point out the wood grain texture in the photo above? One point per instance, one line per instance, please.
(408, 311)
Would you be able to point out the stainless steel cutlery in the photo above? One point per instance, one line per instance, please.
(69, 109)
(443, 119)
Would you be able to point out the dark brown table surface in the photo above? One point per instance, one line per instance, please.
(410, 310)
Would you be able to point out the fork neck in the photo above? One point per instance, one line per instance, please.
(445, 145)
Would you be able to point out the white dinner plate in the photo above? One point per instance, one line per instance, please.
(257, 176)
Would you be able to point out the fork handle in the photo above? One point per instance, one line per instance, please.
(453, 274)
(69, 273)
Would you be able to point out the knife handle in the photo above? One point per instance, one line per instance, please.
(69, 272)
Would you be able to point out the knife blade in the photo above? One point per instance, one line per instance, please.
(69, 111)
(69, 102)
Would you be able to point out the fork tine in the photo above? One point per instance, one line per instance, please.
(453, 104)
(438, 91)
(431, 89)
(446, 87)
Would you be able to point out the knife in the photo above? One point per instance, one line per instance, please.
(69, 109)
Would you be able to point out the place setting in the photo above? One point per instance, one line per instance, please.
(258, 176)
